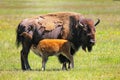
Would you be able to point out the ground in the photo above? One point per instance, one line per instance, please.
(103, 63)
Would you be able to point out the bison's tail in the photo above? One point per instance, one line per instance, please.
(18, 37)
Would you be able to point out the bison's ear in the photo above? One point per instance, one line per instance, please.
(98, 21)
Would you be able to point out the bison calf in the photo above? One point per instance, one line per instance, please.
(50, 47)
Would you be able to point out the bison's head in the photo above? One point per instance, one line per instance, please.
(87, 33)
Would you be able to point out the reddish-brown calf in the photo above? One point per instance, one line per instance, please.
(50, 47)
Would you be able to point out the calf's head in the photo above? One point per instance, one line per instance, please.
(87, 33)
(26, 35)
(35, 36)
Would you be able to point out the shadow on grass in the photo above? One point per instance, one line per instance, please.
(48, 70)
(39, 70)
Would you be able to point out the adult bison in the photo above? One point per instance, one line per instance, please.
(63, 25)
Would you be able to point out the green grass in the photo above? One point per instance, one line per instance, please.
(103, 63)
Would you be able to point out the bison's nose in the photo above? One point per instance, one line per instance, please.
(92, 41)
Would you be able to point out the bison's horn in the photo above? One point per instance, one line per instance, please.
(81, 24)
(97, 22)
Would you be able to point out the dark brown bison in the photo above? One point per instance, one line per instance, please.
(63, 25)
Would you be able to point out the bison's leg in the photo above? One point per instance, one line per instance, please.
(62, 60)
(22, 61)
(44, 60)
(24, 56)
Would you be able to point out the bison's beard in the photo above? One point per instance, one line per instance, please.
(88, 47)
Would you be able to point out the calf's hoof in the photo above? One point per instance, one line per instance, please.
(43, 69)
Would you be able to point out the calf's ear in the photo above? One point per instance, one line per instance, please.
(26, 35)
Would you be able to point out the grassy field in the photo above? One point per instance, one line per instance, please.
(103, 63)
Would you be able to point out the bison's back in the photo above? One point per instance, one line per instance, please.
(66, 19)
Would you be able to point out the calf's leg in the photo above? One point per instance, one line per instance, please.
(62, 60)
(70, 57)
(64, 66)
(71, 61)
(72, 51)
(44, 60)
